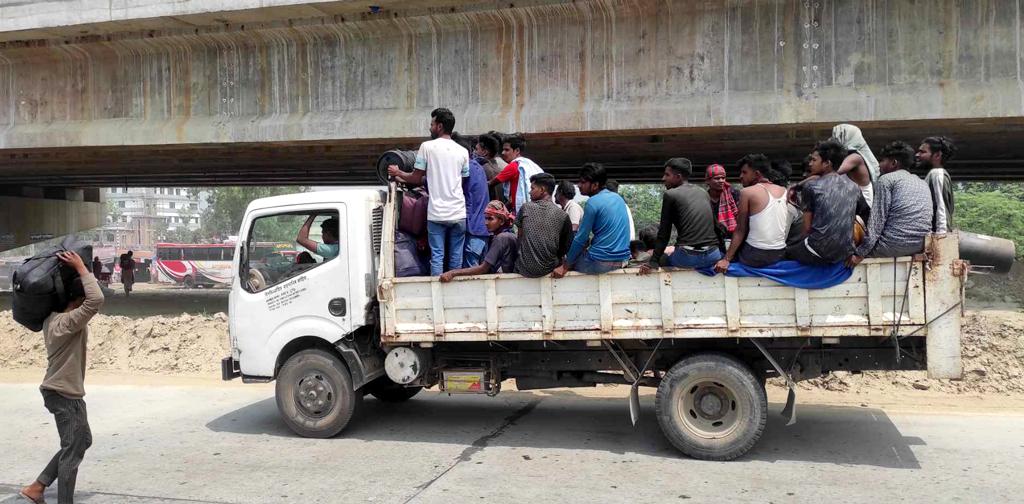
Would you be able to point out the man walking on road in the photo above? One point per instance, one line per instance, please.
(65, 334)
(127, 272)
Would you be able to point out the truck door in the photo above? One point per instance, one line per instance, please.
(286, 291)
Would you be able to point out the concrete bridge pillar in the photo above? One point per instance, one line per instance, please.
(29, 215)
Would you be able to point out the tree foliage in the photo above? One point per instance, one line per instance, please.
(644, 202)
(226, 206)
(113, 212)
(991, 208)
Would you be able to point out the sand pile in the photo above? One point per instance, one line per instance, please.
(993, 362)
(186, 344)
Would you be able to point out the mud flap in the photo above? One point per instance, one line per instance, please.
(790, 409)
(634, 402)
(632, 374)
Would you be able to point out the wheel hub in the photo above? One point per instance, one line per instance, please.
(707, 408)
(315, 395)
(710, 405)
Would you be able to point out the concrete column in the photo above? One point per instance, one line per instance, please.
(29, 220)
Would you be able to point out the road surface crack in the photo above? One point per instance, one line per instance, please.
(478, 445)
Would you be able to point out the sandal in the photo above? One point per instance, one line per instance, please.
(25, 496)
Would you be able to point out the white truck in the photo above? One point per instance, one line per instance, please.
(332, 331)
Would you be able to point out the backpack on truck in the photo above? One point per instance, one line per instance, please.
(412, 213)
(408, 261)
(39, 285)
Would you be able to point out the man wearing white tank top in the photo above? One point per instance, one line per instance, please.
(763, 219)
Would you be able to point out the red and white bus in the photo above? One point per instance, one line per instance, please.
(208, 264)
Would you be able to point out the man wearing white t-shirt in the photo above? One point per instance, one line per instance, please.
(565, 193)
(443, 163)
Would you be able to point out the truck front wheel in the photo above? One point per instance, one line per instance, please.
(711, 406)
(314, 394)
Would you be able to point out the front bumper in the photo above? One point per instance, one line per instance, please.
(229, 369)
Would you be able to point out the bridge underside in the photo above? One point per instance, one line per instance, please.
(291, 92)
(990, 149)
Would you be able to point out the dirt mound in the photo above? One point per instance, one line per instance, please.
(186, 344)
(993, 352)
(993, 362)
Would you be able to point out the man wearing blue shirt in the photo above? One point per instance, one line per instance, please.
(607, 219)
(477, 195)
(328, 230)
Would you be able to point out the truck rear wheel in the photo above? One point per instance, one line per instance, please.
(388, 391)
(711, 407)
(314, 394)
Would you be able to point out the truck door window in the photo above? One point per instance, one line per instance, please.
(275, 248)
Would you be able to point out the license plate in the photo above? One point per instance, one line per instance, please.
(464, 382)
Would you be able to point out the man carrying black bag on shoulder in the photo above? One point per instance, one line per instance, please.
(66, 333)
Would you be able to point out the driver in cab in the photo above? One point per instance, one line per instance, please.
(329, 232)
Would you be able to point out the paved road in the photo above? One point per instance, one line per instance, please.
(206, 444)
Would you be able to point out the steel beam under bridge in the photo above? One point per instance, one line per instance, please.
(990, 149)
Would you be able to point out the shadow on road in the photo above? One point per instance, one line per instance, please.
(824, 434)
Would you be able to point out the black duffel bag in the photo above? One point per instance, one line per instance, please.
(39, 284)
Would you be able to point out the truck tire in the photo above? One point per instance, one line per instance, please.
(388, 391)
(711, 406)
(314, 394)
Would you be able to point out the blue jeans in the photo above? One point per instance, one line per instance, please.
(591, 267)
(476, 246)
(447, 237)
(683, 258)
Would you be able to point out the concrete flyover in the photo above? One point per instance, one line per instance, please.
(116, 92)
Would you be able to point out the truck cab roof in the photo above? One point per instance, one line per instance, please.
(351, 195)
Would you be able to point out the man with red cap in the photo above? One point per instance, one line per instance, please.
(723, 198)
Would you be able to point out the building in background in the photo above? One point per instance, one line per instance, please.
(142, 216)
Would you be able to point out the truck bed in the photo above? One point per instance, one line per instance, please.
(677, 303)
(920, 294)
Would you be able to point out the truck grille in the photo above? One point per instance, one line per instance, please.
(377, 227)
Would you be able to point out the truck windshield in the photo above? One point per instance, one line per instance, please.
(286, 245)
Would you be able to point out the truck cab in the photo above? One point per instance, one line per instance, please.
(289, 306)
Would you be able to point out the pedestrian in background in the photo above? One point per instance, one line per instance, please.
(127, 272)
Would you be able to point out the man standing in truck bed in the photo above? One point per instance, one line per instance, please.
(65, 334)
(443, 163)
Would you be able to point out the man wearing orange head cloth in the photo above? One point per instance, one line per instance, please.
(501, 252)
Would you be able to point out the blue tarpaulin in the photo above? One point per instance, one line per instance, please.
(792, 273)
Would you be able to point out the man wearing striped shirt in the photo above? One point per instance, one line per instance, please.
(901, 215)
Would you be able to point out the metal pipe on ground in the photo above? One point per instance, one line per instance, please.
(987, 251)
